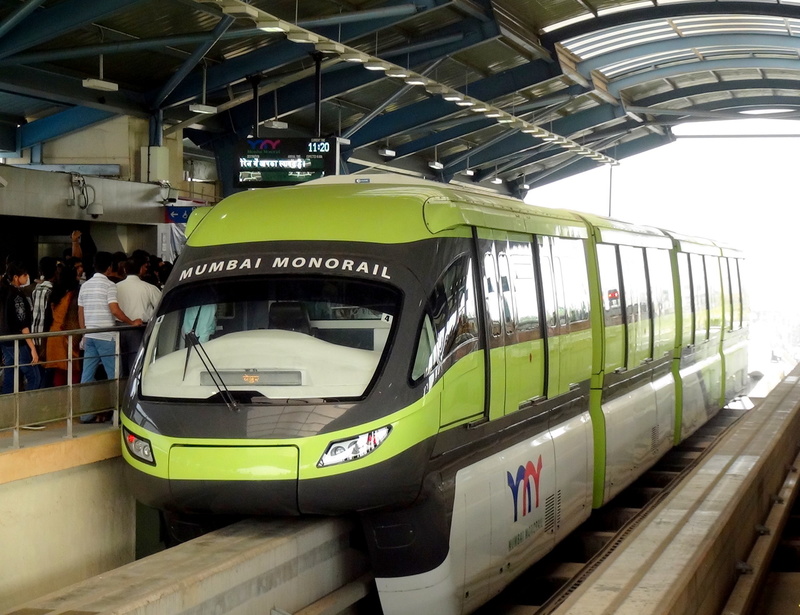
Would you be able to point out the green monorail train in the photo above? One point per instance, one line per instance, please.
(469, 374)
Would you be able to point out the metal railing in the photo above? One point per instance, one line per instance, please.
(51, 404)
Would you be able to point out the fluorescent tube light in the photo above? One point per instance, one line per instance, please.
(204, 109)
(99, 84)
(436, 165)
(301, 36)
(272, 25)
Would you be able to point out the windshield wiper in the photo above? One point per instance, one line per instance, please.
(192, 341)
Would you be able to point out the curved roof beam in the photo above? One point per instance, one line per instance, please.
(742, 85)
(751, 43)
(617, 85)
(666, 11)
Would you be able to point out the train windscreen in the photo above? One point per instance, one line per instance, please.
(267, 338)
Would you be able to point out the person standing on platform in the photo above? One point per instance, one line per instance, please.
(18, 318)
(64, 305)
(138, 299)
(42, 314)
(98, 307)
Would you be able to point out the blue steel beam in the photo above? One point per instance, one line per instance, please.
(57, 20)
(60, 124)
(434, 108)
(617, 85)
(749, 42)
(343, 79)
(273, 56)
(521, 141)
(192, 60)
(625, 150)
(17, 16)
(159, 42)
(470, 124)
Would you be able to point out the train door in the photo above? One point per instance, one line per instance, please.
(551, 314)
(525, 356)
(572, 291)
(496, 303)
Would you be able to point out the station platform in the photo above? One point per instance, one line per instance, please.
(74, 529)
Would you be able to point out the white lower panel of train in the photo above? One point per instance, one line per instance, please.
(640, 427)
(509, 510)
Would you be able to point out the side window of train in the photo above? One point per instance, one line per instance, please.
(507, 299)
(613, 316)
(700, 298)
(491, 289)
(663, 300)
(526, 302)
(548, 286)
(714, 295)
(569, 256)
(452, 320)
(637, 305)
(687, 301)
(736, 293)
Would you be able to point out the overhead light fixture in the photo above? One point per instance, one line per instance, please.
(526, 186)
(503, 119)
(99, 84)
(353, 56)
(416, 80)
(240, 9)
(387, 153)
(376, 65)
(479, 108)
(496, 180)
(436, 165)
(493, 113)
(273, 25)
(275, 124)
(301, 36)
(398, 72)
(453, 97)
(202, 109)
(437, 88)
(329, 47)
(469, 172)
(465, 103)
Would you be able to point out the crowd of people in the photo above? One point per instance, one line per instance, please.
(116, 289)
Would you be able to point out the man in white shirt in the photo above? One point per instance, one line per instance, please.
(138, 299)
(98, 308)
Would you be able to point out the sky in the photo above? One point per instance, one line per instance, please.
(741, 192)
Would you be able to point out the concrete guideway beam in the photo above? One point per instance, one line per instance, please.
(683, 556)
(254, 566)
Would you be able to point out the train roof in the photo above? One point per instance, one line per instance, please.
(381, 208)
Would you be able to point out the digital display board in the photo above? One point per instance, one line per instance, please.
(283, 161)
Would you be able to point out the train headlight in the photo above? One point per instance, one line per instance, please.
(353, 448)
(138, 447)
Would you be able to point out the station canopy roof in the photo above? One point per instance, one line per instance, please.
(501, 93)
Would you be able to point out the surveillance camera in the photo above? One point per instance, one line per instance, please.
(3, 182)
(94, 210)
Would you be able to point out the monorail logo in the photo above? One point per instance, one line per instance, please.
(526, 475)
(284, 263)
(263, 144)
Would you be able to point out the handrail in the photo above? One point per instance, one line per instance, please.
(22, 402)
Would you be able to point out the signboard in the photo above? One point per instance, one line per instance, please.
(261, 163)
